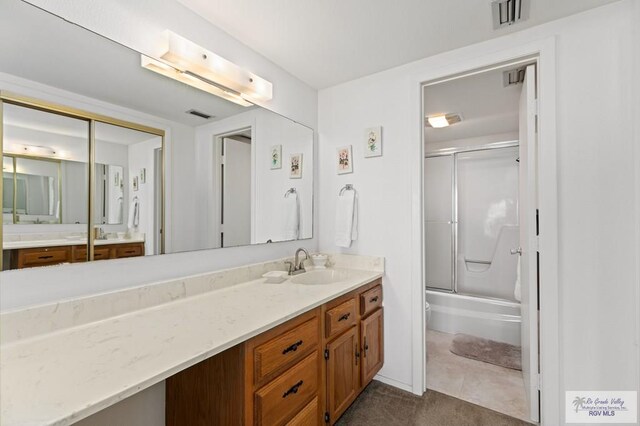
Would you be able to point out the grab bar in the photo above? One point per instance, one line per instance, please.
(484, 262)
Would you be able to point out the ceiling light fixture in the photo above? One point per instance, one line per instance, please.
(185, 61)
(442, 120)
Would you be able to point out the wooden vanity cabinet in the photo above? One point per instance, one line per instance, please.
(47, 256)
(306, 371)
(354, 353)
(343, 378)
(41, 256)
(372, 344)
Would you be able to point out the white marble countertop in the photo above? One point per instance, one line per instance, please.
(69, 374)
(11, 245)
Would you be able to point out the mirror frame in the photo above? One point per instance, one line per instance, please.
(91, 118)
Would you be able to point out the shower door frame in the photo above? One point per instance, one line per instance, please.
(453, 152)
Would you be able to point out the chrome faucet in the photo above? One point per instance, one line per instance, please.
(297, 267)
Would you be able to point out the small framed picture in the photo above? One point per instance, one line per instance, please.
(373, 142)
(344, 160)
(276, 157)
(143, 175)
(135, 183)
(295, 167)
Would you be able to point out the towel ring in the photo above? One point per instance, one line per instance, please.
(290, 191)
(347, 187)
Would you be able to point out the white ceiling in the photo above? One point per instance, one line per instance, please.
(328, 42)
(487, 107)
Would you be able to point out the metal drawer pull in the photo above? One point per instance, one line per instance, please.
(45, 257)
(294, 389)
(366, 347)
(373, 299)
(292, 348)
(345, 316)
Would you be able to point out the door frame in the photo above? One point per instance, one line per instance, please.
(216, 201)
(470, 60)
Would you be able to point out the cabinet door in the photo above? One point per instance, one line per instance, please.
(371, 334)
(342, 372)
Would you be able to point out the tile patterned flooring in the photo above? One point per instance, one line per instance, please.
(498, 388)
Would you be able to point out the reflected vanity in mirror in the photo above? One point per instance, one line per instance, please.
(104, 158)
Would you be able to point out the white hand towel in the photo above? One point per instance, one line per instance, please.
(354, 227)
(134, 214)
(291, 217)
(346, 218)
(517, 290)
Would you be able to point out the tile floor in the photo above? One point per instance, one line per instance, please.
(498, 388)
(384, 405)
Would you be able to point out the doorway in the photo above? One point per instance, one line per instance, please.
(234, 188)
(480, 258)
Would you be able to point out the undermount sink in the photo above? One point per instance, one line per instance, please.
(325, 276)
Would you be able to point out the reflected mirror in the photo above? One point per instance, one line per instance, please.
(91, 136)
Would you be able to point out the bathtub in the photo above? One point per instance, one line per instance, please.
(489, 318)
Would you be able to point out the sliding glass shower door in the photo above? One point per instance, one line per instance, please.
(471, 220)
(439, 223)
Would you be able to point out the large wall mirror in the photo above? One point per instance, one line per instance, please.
(103, 158)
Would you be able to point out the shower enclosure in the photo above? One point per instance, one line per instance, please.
(471, 212)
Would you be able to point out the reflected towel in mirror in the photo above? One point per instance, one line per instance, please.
(134, 213)
(346, 219)
(291, 217)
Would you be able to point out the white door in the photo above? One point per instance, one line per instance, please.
(528, 255)
(236, 192)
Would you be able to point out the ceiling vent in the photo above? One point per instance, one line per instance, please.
(513, 77)
(508, 12)
(199, 114)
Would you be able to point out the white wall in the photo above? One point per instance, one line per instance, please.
(596, 191)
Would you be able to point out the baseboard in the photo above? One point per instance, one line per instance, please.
(394, 383)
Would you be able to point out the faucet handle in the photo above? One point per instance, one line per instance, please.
(290, 268)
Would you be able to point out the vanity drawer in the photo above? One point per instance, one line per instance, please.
(285, 349)
(308, 415)
(285, 396)
(99, 253)
(370, 300)
(340, 318)
(129, 250)
(43, 256)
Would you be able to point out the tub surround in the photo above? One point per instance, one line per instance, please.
(92, 352)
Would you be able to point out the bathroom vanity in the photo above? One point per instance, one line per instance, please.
(232, 348)
(303, 372)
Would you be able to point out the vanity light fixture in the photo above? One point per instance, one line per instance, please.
(40, 151)
(442, 120)
(185, 61)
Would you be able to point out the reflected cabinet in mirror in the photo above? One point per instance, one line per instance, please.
(111, 153)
